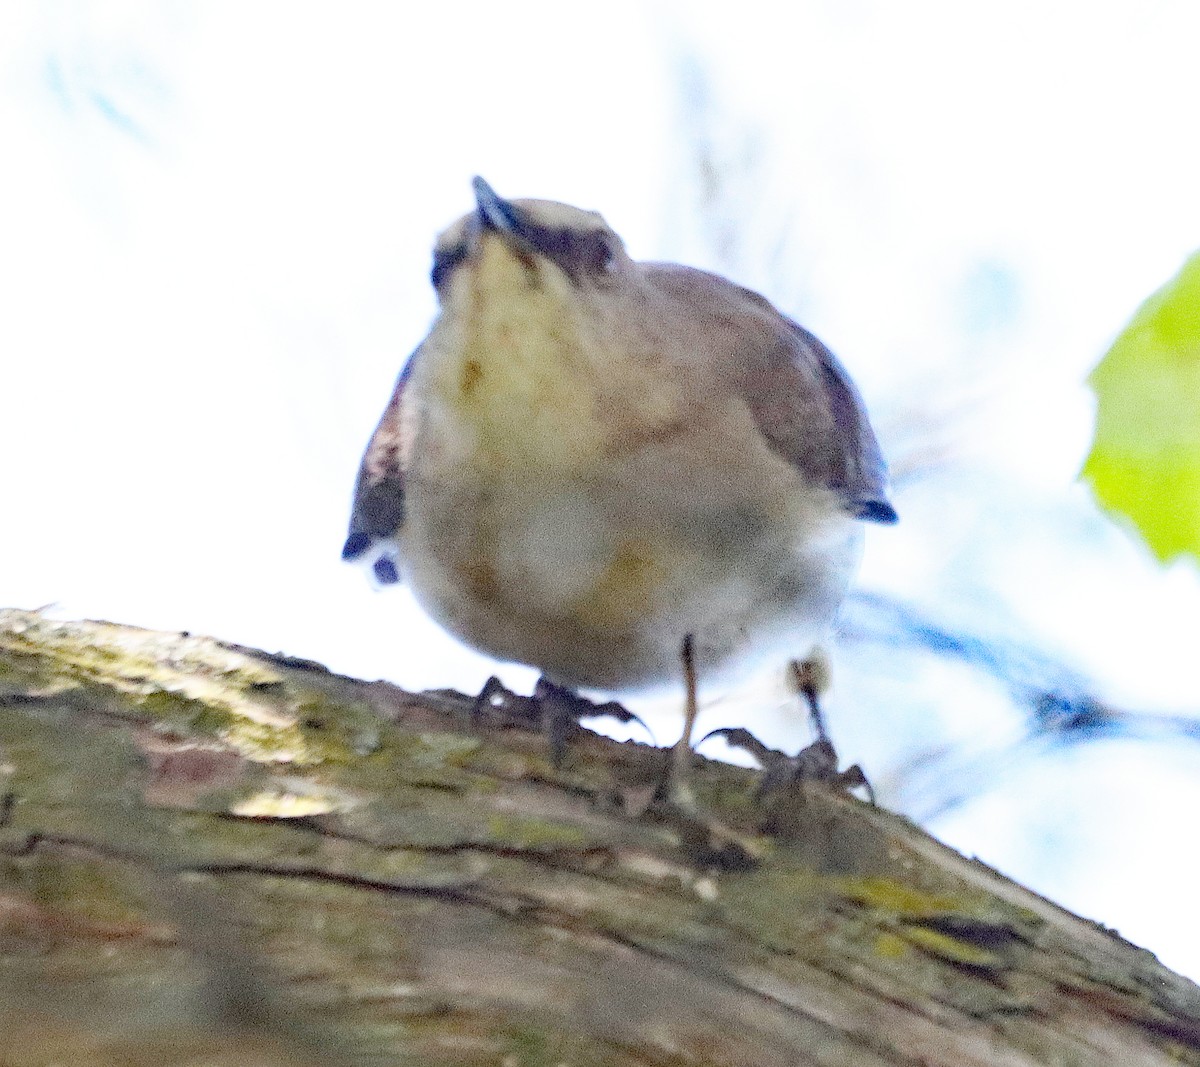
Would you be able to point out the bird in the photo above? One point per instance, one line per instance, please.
(605, 468)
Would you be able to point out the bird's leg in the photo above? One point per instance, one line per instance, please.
(681, 756)
(819, 760)
(709, 841)
(811, 678)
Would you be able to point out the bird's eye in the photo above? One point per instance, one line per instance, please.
(603, 257)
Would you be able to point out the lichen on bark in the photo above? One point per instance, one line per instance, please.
(235, 857)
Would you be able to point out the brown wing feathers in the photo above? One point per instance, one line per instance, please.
(378, 510)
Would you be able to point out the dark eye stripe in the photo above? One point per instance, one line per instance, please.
(445, 261)
(579, 254)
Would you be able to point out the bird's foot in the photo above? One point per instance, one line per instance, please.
(563, 711)
(497, 705)
(817, 762)
(553, 710)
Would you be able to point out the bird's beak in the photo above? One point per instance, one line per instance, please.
(496, 213)
(524, 237)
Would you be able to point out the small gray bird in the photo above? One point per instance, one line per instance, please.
(591, 462)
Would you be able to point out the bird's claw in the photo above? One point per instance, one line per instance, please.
(497, 705)
(817, 762)
(552, 710)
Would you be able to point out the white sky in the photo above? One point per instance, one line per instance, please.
(215, 224)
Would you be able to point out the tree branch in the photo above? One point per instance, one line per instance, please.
(220, 853)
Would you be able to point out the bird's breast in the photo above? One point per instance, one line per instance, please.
(579, 504)
(525, 371)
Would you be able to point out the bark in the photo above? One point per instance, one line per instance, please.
(211, 855)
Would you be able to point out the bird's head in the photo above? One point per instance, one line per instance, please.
(540, 242)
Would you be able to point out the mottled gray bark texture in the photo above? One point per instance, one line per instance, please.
(210, 855)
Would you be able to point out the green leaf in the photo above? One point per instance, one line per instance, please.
(1145, 458)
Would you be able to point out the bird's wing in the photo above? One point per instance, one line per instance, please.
(843, 453)
(378, 510)
(799, 394)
